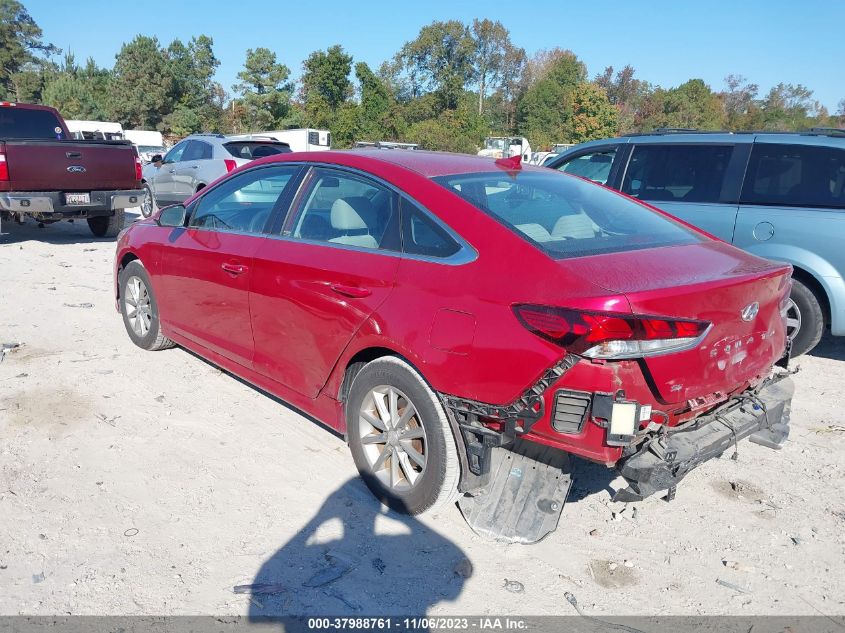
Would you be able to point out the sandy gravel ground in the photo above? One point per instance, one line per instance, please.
(153, 483)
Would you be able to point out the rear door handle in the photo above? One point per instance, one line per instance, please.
(235, 269)
(195, 166)
(354, 292)
(172, 171)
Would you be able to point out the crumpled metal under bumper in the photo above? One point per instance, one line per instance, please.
(666, 459)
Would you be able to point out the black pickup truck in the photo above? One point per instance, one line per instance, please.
(46, 175)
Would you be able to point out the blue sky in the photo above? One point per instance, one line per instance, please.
(666, 41)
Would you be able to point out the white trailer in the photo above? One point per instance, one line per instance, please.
(300, 140)
(95, 130)
(506, 147)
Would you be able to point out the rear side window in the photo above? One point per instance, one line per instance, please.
(795, 176)
(253, 150)
(677, 173)
(567, 217)
(422, 236)
(595, 166)
(197, 150)
(36, 124)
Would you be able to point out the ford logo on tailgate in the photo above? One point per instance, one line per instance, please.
(750, 311)
(76, 169)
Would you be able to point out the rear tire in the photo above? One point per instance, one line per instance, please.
(805, 319)
(107, 225)
(400, 438)
(148, 203)
(139, 308)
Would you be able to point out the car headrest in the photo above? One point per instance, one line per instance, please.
(348, 214)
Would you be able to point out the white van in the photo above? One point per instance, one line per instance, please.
(148, 142)
(95, 130)
(300, 140)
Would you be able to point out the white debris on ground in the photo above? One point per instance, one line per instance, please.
(153, 483)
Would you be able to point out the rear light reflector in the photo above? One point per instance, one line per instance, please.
(230, 164)
(4, 168)
(139, 172)
(610, 336)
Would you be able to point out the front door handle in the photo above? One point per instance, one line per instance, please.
(354, 292)
(235, 269)
(195, 166)
(172, 171)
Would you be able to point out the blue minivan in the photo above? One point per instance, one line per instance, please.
(777, 195)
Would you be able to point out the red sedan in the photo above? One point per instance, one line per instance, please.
(436, 307)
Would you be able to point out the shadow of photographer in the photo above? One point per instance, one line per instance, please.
(355, 557)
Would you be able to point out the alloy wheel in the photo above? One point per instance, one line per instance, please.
(139, 310)
(147, 203)
(793, 320)
(393, 438)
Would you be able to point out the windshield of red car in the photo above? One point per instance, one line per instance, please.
(566, 216)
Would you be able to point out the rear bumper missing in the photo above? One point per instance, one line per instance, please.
(666, 459)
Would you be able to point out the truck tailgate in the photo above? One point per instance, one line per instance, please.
(40, 165)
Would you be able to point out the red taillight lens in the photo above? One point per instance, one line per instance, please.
(139, 172)
(604, 335)
(4, 167)
(230, 164)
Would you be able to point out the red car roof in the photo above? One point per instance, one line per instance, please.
(428, 164)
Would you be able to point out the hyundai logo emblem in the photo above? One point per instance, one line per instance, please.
(750, 311)
(76, 169)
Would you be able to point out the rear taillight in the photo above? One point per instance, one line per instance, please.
(230, 164)
(610, 336)
(139, 172)
(4, 166)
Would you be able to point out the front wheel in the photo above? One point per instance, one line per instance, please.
(804, 319)
(400, 438)
(107, 225)
(139, 308)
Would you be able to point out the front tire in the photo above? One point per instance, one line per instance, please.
(139, 308)
(107, 225)
(804, 319)
(400, 438)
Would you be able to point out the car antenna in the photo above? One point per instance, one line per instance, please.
(511, 164)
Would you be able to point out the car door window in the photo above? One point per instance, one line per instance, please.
(175, 154)
(795, 176)
(243, 203)
(594, 166)
(347, 209)
(197, 150)
(423, 236)
(677, 173)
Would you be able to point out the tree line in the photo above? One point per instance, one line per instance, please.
(446, 89)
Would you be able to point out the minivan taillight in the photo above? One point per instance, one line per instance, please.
(606, 335)
(230, 164)
(4, 166)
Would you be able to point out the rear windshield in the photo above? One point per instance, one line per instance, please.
(21, 123)
(566, 216)
(254, 149)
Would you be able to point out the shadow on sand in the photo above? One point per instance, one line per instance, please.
(355, 557)
(64, 232)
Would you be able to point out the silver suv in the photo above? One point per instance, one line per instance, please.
(197, 161)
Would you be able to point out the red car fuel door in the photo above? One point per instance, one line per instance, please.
(314, 285)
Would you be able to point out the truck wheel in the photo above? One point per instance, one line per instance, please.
(804, 319)
(107, 225)
(400, 438)
(148, 203)
(139, 308)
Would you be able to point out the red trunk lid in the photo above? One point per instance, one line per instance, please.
(40, 165)
(709, 281)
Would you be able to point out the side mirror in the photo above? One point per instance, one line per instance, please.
(172, 216)
(156, 158)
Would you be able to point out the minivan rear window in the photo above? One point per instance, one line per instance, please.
(795, 176)
(566, 216)
(253, 149)
(20, 123)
